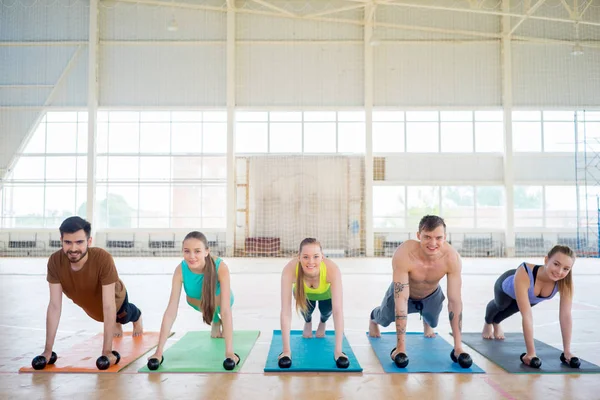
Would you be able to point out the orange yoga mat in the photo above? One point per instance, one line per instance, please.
(82, 356)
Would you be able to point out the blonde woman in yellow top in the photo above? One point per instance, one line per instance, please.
(313, 281)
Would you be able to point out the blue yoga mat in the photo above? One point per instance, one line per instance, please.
(310, 355)
(424, 354)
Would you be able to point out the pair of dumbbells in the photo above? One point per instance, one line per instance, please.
(341, 362)
(103, 363)
(229, 364)
(535, 362)
(464, 359)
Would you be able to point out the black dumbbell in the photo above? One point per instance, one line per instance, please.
(401, 359)
(39, 362)
(342, 362)
(103, 362)
(230, 364)
(534, 363)
(153, 363)
(573, 362)
(464, 359)
(284, 362)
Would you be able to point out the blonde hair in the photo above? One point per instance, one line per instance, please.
(209, 285)
(299, 293)
(565, 285)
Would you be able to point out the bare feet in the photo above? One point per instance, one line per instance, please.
(428, 331)
(215, 330)
(118, 332)
(307, 332)
(374, 329)
(138, 327)
(487, 331)
(498, 332)
(320, 333)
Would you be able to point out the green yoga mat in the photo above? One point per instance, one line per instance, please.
(198, 352)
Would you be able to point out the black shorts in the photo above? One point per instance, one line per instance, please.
(128, 312)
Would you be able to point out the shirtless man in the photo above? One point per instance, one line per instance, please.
(88, 276)
(418, 268)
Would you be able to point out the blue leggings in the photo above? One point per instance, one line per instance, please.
(325, 307)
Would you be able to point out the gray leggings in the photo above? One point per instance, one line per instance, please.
(503, 306)
(429, 307)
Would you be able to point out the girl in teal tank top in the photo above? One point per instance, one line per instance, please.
(206, 283)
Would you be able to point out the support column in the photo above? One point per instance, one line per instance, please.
(231, 192)
(93, 43)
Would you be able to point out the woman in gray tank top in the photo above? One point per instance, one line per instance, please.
(517, 290)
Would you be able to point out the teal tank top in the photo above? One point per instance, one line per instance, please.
(192, 282)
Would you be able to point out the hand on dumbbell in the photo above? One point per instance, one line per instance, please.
(106, 360)
(463, 359)
(231, 361)
(569, 360)
(531, 360)
(46, 358)
(285, 359)
(400, 359)
(155, 361)
(341, 360)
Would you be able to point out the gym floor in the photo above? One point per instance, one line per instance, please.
(255, 282)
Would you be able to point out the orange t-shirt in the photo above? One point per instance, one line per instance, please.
(84, 287)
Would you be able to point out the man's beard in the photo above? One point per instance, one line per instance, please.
(83, 254)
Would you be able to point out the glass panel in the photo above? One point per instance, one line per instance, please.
(214, 137)
(123, 168)
(37, 142)
(388, 137)
(29, 168)
(251, 137)
(155, 138)
(186, 116)
(319, 138)
(458, 205)
(123, 138)
(214, 168)
(559, 116)
(26, 205)
(456, 116)
(528, 206)
(526, 116)
(154, 206)
(102, 168)
(155, 168)
(186, 204)
(589, 136)
(489, 137)
(82, 168)
(351, 116)
(389, 206)
(388, 116)
(82, 138)
(421, 200)
(285, 116)
(251, 116)
(490, 207)
(489, 116)
(424, 116)
(422, 137)
(59, 204)
(527, 136)
(123, 116)
(102, 138)
(186, 138)
(457, 137)
(319, 116)
(559, 136)
(186, 167)
(155, 116)
(81, 201)
(285, 138)
(214, 116)
(121, 207)
(61, 138)
(61, 116)
(351, 137)
(561, 206)
(61, 168)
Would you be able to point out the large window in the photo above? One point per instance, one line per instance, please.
(154, 169)
(546, 206)
(547, 131)
(48, 181)
(402, 207)
(438, 131)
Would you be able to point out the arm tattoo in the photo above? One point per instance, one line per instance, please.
(401, 316)
(460, 322)
(398, 287)
(401, 331)
(451, 316)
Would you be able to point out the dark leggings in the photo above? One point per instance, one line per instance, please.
(503, 306)
(325, 308)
